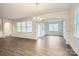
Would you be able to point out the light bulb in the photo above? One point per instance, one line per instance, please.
(38, 18)
(34, 18)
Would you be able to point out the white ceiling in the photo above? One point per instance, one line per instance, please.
(18, 10)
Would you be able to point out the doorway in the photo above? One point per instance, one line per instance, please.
(7, 29)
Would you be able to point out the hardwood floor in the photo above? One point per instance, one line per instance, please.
(48, 46)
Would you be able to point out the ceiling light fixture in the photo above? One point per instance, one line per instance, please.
(36, 3)
(37, 18)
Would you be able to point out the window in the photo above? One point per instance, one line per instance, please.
(29, 26)
(76, 23)
(40, 29)
(24, 26)
(53, 27)
(18, 26)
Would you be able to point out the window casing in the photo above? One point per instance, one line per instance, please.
(76, 23)
(29, 26)
(18, 26)
(53, 27)
(24, 26)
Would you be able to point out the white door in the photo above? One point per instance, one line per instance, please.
(7, 29)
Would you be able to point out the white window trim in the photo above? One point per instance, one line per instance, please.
(21, 30)
(53, 27)
(75, 29)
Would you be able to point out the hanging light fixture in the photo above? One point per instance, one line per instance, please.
(37, 3)
(37, 18)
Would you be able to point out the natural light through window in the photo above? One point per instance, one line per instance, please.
(18, 25)
(76, 20)
(24, 26)
(53, 27)
(29, 26)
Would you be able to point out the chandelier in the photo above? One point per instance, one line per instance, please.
(37, 18)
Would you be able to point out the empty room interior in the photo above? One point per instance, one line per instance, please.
(39, 29)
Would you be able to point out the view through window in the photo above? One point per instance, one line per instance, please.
(24, 26)
(53, 27)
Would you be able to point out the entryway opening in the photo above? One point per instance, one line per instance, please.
(7, 29)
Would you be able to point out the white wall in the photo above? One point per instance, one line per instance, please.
(55, 15)
(69, 33)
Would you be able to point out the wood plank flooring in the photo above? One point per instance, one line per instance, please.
(48, 46)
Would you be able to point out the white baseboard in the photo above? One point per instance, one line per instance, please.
(75, 49)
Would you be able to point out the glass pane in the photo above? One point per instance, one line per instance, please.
(29, 29)
(77, 17)
(50, 27)
(76, 20)
(29, 26)
(23, 26)
(77, 30)
(18, 26)
(55, 27)
(29, 23)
